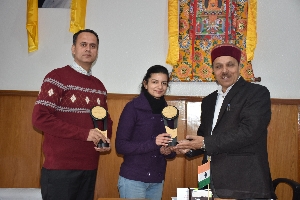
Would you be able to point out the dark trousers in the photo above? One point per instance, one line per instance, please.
(68, 184)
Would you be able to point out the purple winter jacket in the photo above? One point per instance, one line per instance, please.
(135, 140)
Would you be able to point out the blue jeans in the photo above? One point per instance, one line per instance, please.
(136, 189)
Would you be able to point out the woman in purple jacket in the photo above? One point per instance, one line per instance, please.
(142, 139)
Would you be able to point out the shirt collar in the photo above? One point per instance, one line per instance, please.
(79, 69)
(220, 92)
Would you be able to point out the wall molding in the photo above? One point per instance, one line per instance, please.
(131, 96)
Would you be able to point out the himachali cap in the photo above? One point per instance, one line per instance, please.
(226, 50)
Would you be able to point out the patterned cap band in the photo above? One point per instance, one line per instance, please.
(226, 50)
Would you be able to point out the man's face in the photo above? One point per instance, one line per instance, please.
(226, 70)
(85, 50)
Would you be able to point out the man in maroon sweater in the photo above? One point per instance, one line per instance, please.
(62, 112)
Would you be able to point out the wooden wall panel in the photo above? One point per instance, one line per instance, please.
(21, 156)
(193, 121)
(20, 144)
(109, 163)
(175, 174)
(283, 146)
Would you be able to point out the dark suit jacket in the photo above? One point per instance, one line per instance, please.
(238, 144)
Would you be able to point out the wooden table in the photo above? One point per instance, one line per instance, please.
(118, 199)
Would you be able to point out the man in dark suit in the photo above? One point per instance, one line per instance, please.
(233, 131)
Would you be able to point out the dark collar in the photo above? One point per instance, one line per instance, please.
(157, 105)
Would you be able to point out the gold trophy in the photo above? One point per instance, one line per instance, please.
(171, 113)
(99, 113)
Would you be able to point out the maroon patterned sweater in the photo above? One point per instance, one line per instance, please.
(62, 112)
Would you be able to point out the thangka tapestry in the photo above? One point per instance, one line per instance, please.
(204, 24)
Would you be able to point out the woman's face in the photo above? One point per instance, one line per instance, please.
(157, 84)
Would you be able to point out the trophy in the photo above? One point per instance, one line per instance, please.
(171, 113)
(99, 113)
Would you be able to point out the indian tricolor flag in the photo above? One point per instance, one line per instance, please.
(203, 175)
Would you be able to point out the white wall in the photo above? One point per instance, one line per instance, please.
(133, 36)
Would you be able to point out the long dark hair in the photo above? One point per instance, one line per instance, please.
(152, 70)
